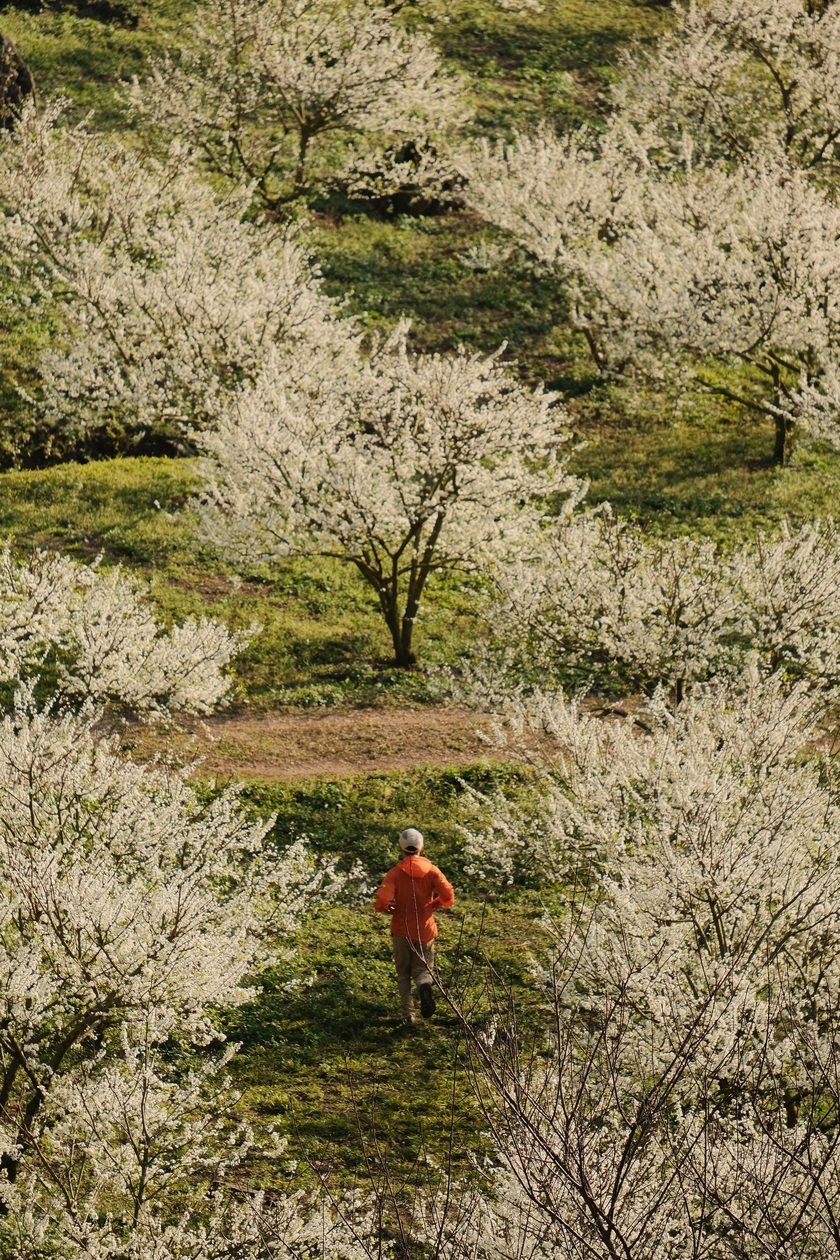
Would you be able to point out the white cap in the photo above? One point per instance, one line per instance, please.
(410, 840)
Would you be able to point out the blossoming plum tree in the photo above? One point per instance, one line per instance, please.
(171, 297)
(601, 601)
(689, 1101)
(416, 465)
(89, 636)
(268, 81)
(698, 235)
(131, 912)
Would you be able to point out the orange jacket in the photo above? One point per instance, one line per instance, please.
(416, 889)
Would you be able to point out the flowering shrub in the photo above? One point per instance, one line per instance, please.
(698, 234)
(270, 81)
(606, 605)
(410, 177)
(88, 635)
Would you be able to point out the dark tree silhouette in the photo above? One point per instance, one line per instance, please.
(16, 82)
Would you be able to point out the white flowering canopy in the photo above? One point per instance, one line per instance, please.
(680, 274)
(747, 79)
(89, 635)
(697, 237)
(130, 913)
(134, 911)
(268, 78)
(691, 1088)
(408, 467)
(602, 605)
(172, 297)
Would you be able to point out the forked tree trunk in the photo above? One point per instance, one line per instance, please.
(401, 629)
(400, 623)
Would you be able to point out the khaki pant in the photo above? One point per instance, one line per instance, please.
(413, 961)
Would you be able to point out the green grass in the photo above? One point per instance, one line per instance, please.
(414, 268)
(321, 639)
(85, 60)
(314, 1054)
(524, 68)
(713, 478)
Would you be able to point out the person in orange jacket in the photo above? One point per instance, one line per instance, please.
(411, 892)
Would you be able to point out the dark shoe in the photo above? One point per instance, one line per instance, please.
(427, 1001)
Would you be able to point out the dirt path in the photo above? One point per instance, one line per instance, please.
(328, 742)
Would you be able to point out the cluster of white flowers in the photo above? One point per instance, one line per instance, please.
(692, 1095)
(406, 467)
(700, 231)
(603, 601)
(411, 177)
(89, 635)
(521, 6)
(171, 295)
(131, 912)
(743, 80)
(268, 80)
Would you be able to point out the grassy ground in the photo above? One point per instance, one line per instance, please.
(527, 67)
(315, 1054)
(519, 68)
(321, 639)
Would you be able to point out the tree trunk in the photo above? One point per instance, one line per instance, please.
(784, 424)
(784, 434)
(405, 656)
(401, 633)
(387, 591)
(305, 137)
(16, 83)
(421, 567)
(387, 587)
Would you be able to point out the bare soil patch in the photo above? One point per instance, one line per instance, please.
(329, 742)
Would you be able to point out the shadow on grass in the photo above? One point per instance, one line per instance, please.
(330, 1061)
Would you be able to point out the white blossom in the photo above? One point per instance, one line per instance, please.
(131, 913)
(268, 81)
(90, 635)
(688, 1104)
(409, 466)
(521, 6)
(605, 604)
(680, 273)
(172, 297)
(413, 176)
(754, 79)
